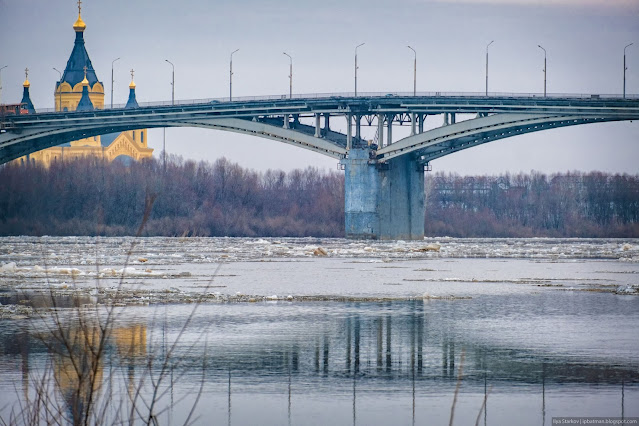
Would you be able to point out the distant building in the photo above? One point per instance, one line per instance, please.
(80, 89)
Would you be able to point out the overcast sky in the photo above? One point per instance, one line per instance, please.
(584, 39)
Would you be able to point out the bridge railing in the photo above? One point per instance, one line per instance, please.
(304, 96)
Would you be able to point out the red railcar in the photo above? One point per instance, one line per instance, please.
(13, 109)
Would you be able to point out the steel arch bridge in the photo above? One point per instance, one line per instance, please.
(384, 177)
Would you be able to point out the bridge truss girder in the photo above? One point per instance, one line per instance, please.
(445, 140)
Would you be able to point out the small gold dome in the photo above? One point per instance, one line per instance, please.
(132, 85)
(79, 25)
(85, 82)
(26, 83)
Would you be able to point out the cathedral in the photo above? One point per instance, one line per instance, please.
(79, 89)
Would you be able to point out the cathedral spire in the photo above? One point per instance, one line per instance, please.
(85, 103)
(132, 102)
(26, 97)
(79, 58)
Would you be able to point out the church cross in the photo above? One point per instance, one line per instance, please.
(79, 6)
(132, 72)
(26, 73)
(85, 71)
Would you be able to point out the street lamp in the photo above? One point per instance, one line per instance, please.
(359, 45)
(414, 72)
(487, 46)
(290, 76)
(172, 103)
(539, 46)
(112, 62)
(172, 82)
(231, 76)
(59, 90)
(1, 81)
(624, 69)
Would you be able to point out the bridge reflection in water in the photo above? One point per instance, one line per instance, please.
(359, 363)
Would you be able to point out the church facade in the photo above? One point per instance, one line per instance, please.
(80, 89)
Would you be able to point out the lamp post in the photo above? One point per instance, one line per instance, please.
(414, 72)
(290, 76)
(172, 103)
(359, 45)
(624, 69)
(487, 46)
(59, 91)
(172, 82)
(1, 81)
(231, 75)
(112, 62)
(544, 68)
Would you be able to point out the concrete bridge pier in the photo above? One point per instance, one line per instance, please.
(383, 201)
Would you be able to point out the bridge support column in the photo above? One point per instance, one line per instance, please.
(317, 126)
(383, 201)
(349, 131)
(390, 129)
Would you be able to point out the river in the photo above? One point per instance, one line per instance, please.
(314, 332)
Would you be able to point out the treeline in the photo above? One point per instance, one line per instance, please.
(531, 205)
(91, 197)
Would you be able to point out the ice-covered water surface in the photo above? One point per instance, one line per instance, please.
(56, 251)
(313, 267)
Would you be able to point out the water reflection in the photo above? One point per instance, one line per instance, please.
(372, 352)
(78, 369)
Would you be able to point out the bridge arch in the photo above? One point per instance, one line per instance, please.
(32, 140)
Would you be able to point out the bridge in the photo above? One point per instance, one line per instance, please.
(384, 180)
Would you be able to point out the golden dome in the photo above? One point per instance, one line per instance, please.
(26, 78)
(84, 81)
(132, 85)
(79, 25)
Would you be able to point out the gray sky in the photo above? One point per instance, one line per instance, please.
(584, 40)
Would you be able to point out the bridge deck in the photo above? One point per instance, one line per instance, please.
(270, 117)
(340, 104)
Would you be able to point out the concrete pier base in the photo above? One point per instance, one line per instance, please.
(384, 202)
